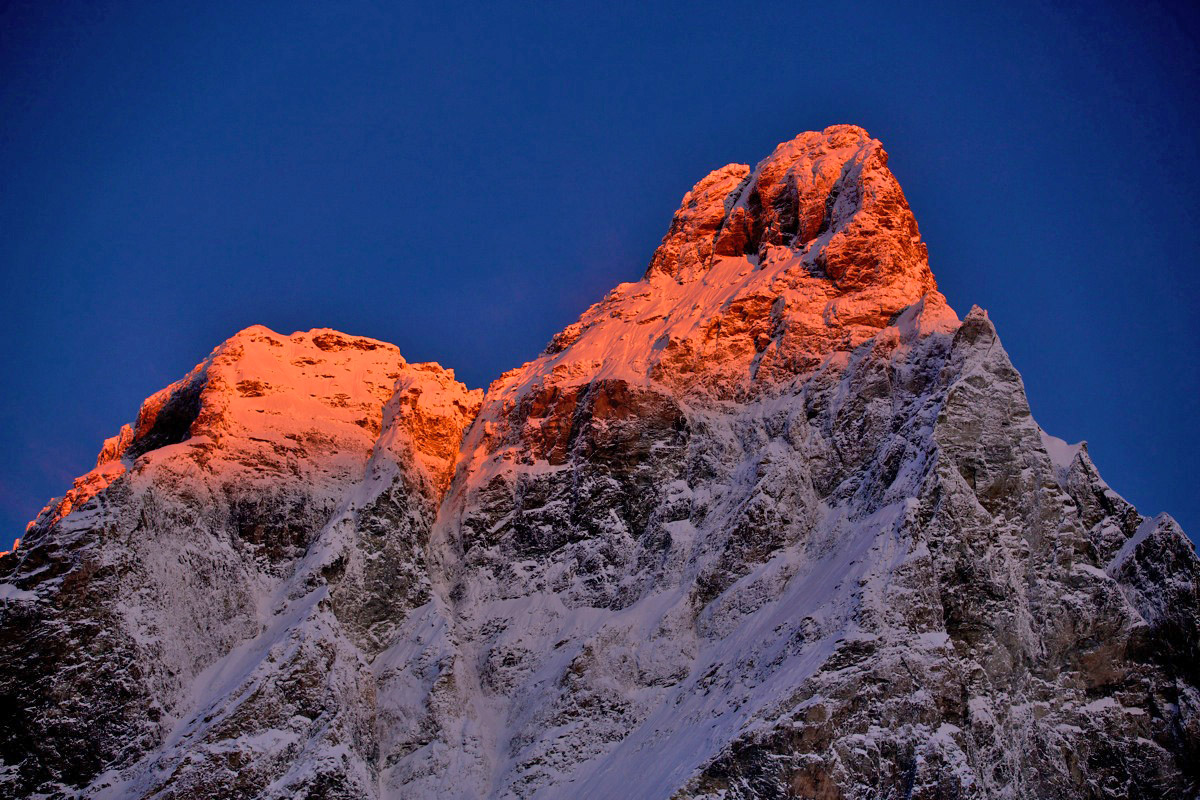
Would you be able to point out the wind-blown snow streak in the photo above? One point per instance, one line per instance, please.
(770, 522)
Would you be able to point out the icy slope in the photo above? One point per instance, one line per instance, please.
(770, 522)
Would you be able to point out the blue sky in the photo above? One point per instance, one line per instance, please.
(464, 179)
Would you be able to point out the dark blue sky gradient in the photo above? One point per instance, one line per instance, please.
(463, 180)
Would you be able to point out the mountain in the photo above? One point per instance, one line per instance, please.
(771, 522)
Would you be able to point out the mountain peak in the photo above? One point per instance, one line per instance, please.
(263, 407)
(828, 196)
(763, 274)
(769, 520)
(323, 338)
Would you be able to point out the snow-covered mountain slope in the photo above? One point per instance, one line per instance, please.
(164, 576)
(770, 522)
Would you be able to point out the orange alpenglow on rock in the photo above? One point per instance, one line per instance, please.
(266, 410)
(763, 274)
(770, 520)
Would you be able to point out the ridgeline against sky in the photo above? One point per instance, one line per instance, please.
(770, 521)
(464, 180)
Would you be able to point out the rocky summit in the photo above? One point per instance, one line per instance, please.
(770, 522)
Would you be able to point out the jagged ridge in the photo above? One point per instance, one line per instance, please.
(769, 522)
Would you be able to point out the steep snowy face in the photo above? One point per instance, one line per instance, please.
(770, 522)
(166, 556)
(765, 278)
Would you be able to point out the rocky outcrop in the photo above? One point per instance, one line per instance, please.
(138, 586)
(770, 522)
(764, 275)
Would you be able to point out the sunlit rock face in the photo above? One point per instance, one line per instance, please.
(267, 462)
(770, 522)
(764, 274)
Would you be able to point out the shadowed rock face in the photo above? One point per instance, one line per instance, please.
(770, 522)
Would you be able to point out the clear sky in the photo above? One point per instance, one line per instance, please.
(463, 180)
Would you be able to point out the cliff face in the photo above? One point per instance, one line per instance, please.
(163, 576)
(770, 522)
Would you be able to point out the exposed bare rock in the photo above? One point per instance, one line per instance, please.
(139, 587)
(771, 522)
